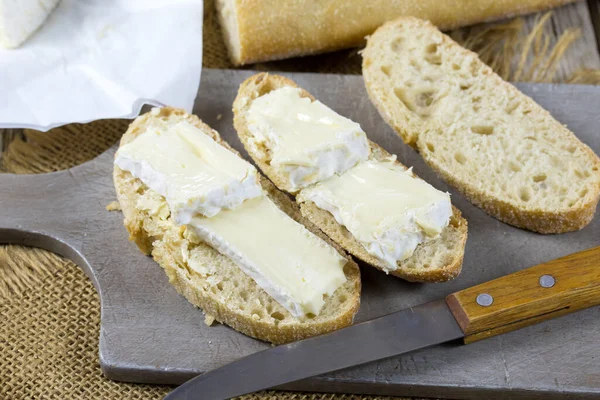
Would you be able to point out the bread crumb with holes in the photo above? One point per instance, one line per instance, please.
(113, 206)
(209, 319)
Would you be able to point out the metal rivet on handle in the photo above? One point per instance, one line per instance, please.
(485, 300)
(547, 281)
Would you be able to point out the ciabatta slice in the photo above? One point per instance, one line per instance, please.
(435, 261)
(222, 290)
(502, 150)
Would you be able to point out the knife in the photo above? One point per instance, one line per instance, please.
(533, 295)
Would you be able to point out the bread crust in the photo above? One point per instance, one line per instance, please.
(403, 123)
(269, 30)
(166, 243)
(260, 84)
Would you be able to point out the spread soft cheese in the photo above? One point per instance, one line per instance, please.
(291, 264)
(385, 207)
(20, 18)
(194, 173)
(307, 141)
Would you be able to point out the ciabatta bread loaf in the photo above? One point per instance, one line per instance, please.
(222, 290)
(257, 31)
(497, 146)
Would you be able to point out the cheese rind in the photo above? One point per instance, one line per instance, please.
(20, 18)
(295, 267)
(305, 140)
(387, 209)
(194, 173)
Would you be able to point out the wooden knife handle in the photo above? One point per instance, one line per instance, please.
(532, 295)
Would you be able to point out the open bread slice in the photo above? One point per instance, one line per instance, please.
(210, 280)
(434, 261)
(502, 150)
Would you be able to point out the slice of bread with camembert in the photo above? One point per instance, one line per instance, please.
(352, 189)
(503, 151)
(228, 240)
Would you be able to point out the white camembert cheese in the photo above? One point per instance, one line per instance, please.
(290, 263)
(388, 210)
(307, 141)
(20, 18)
(194, 173)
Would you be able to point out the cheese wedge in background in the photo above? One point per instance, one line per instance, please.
(19, 19)
(408, 229)
(258, 267)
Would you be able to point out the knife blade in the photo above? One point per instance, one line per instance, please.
(523, 298)
(396, 333)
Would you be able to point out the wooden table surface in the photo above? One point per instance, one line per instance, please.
(585, 52)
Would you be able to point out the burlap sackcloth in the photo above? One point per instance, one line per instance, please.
(49, 310)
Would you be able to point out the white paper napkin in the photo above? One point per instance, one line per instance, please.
(96, 59)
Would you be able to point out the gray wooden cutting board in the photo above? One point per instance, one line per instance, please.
(151, 334)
